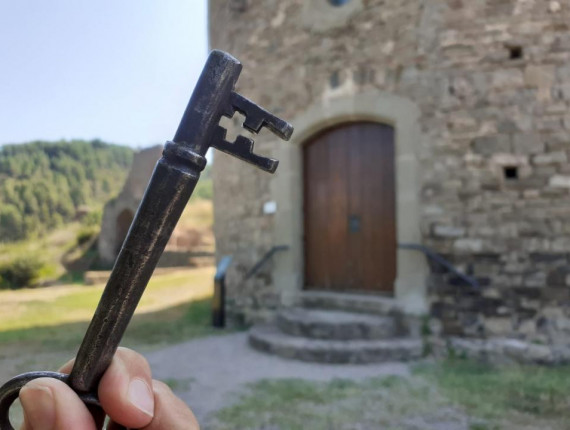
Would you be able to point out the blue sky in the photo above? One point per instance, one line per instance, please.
(118, 70)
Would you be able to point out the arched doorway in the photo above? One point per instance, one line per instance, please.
(350, 209)
(124, 221)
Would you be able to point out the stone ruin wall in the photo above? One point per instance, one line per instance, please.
(118, 215)
(119, 212)
(492, 80)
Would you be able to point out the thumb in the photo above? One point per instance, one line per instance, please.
(170, 412)
(50, 404)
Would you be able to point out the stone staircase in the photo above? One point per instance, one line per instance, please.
(330, 327)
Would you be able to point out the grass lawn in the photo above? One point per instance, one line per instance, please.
(453, 395)
(51, 248)
(175, 306)
(341, 404)
(60, 253)
(496, 392)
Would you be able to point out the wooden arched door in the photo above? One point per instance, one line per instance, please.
(349, 209)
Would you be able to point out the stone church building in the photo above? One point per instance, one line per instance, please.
(441, 125)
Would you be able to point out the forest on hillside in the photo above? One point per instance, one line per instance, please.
(43, 184)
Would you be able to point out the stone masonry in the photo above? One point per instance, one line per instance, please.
(491, 79)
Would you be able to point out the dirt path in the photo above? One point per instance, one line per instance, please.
(207, 372)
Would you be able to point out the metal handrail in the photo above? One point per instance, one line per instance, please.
(264, 259)
(219, 299)
(431, 254)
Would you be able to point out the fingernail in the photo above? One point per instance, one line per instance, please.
(39, 406)
(141, 396)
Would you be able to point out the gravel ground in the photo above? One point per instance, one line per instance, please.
(209, 370)
(209, 374)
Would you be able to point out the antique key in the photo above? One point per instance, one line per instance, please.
(167, 193)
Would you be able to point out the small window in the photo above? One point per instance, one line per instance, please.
(338, 3)
(511, 172)
(334, 79)
(515, 52)
(238, 6)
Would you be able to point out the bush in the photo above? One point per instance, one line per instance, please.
(86, 234)
(92, 218)
(21, 271)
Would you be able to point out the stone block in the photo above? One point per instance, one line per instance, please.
(545, 170)
(505, 159)
(527, 143)
(527, 292)
(498, 326)
(531, 194)
(554, 192)
(557, 295)
(527, 327)
(560, 181)
(488, 145)
(468, 245)
(461, 123)
(540, 354)
(448, 231)
(550, 158)
(540, 77)
(554, 6)
(504, 79)
(537, 279)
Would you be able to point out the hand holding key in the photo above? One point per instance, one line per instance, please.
(127, 394)
(166, 195)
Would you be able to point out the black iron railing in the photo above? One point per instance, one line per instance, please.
(219, 299)
(266, 257)
(434, 256)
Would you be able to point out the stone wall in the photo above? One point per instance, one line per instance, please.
(492, 81)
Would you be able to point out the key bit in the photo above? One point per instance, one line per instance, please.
(255, 118)
(242, 148)
(223, 71)
(219, 77)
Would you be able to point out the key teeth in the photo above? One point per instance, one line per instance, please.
(243, 145)
(242, 148)
(286, 131)
(256, 117)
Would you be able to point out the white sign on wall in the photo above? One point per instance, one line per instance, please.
(270, 207)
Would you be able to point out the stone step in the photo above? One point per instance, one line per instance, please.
(359, 303)
(335, 325)
(269, 339)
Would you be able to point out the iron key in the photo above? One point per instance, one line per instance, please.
(167, 193)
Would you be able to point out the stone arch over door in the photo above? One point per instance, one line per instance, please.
(287, 188)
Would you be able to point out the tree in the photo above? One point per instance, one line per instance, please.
(43, 183)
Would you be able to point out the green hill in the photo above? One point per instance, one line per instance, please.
(43, 184)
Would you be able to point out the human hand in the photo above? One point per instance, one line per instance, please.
(127, 392)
